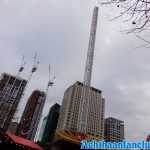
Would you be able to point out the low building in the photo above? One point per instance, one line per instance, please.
(114, 129)
(50, 124)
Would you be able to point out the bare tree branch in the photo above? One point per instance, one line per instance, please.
(137, 11)
(141, 38)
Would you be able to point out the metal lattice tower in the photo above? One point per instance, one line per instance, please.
(84, 104)
(90, 53)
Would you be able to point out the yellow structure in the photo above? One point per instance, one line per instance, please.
(73, 137)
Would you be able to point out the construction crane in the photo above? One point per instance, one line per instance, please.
(33, 70)
(21, 69)
(49, 84)
(50, 81)
(35, 66)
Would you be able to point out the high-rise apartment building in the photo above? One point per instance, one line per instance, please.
(50, 124)
(114, 129)
(84, 102)
(31, 116)
(11, 91)
(70, 112)
(82, 109)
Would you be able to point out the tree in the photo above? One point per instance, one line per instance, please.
(137, 12)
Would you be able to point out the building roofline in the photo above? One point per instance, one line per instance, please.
(114, 119)
(91, 87)
(17, 77)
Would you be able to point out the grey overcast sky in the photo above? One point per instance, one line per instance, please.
(59, 32)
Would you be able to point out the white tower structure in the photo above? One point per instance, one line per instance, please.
(84, 106)
(90, 53)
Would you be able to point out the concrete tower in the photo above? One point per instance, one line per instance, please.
(84, 106)
(90, 53)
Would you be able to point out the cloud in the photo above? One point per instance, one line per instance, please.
(59, 32)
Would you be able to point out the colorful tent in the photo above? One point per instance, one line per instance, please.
(23, 141)
(10, 141)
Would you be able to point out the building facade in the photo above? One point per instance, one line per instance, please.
(11, 91)
(13, 127)
(70, 110)
(114, 129)
(51, 124)
(42, 129)
(148, 138)
(31, 116)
